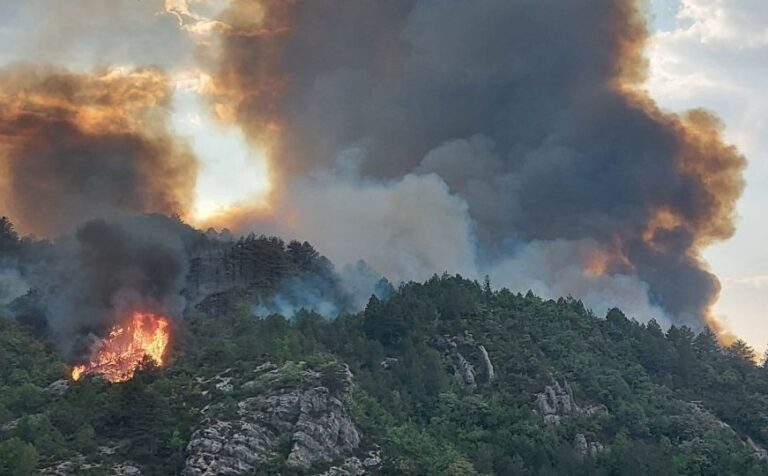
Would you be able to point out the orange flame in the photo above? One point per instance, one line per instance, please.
(126, 347)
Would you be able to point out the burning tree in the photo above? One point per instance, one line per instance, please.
(127, 346)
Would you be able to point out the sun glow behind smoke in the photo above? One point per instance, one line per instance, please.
(232, 174)
(123, 351)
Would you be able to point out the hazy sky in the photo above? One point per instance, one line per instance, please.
(705, 53)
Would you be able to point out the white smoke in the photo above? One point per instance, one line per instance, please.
(552, 269)
(406, 229)
(412, 228)
(12, 285)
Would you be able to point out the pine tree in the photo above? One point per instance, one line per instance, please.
(9, 239)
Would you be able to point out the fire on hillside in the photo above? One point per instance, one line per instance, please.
(127, 346)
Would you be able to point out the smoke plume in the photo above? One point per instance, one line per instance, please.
(12, 284)
(405, 229)
(94, 279)
(529, 113)
(505, 137)
(80, 146)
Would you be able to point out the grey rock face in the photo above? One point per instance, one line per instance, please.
(759, 451)
(463, 371)
(58, 387)
(9, 426)
(557, 402)
(125, 470)
(66, 468)
(221, 382)
(79, 466)
(580, 445)
(587, 448)
(487, 361)
(355, 466)
(324, 432)
(707, 418)
(470, 362)
(388, 363)
(292, 416)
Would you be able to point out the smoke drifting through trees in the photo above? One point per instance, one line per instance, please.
(92, 280)
(531, 112)
(81, 146)
(83, 286)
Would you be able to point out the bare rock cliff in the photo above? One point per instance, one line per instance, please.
(292, 417)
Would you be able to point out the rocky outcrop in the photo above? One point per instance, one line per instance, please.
(323, 433)
(125, 469)
(389, 363)
(294, 416)
(65, 468)
(758, 451)
(58, 388)
(463, 371)
(587, 448)
(556, 402)
(708, 419)
(487, 362)
(470, 363)
(221, 382)
(9, 426)
(355, 466)
(78, 466)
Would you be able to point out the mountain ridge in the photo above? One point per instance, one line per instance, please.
(448, 376)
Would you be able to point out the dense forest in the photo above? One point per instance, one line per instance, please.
(446, 377)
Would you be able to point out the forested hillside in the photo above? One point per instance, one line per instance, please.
(444, 377)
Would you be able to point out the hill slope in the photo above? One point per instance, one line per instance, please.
(444, 377)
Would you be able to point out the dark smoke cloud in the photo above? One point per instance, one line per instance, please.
(94, 279)
(80, 146)
(529, 110)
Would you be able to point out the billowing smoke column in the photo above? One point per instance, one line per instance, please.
(97, 278)
(530, 112)
(503, 137)
(77, 149)
(81, 146)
